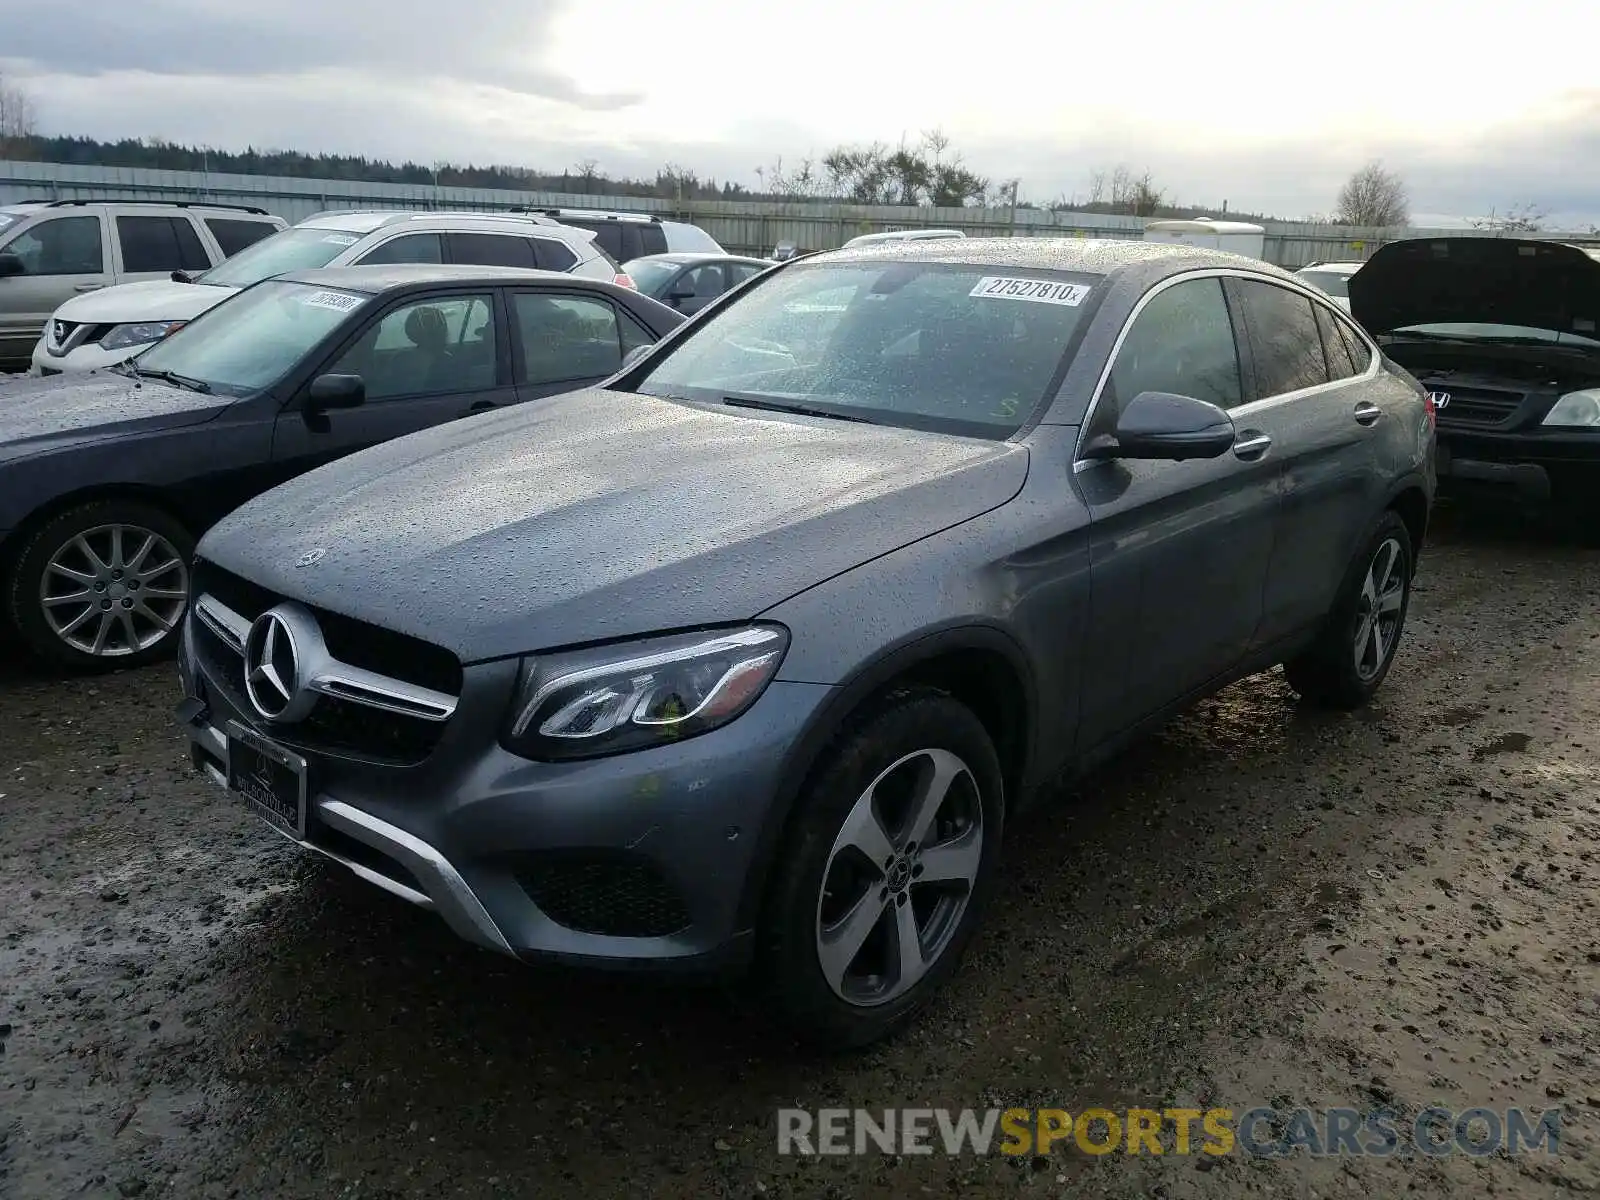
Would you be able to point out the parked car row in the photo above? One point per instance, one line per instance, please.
(733, 642)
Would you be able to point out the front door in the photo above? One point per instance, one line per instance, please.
(1178, 550)
(61, 257)
(424, 361)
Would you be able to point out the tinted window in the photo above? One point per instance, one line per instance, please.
(1284, 337)
(702, 283)
(960, 349)
(634, 334)
(1339, 364)
(607, 235)
(63, 246)
(566, 337)
(743, 271)
(413, 248)
(652, 239)
(426, 348)
(234, 236)
(150, 244)
(554, 255)
(1181, 342)
(1360, 352)
(191, 250)
(491, 250)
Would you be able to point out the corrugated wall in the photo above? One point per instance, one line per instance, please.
(744, 226)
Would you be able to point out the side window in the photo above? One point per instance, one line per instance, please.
(705, 282)
(652, 239)
(191, 251)
(1182, 342)
(1360, 353)
(149, 244)
(634, 335)
(413, 248)
(1339, 364)
(608, 236)
(1284, 337)
(60, 246)
(742, 271)
(566, 337)
(491, 250)
(234, 236)
(553, 254)
(426, 348)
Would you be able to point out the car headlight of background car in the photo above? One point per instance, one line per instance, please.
(122, 336)
(1580, 409)
(640, 693)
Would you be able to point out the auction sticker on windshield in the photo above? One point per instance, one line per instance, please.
(338, 301)
(1041, 291)
(341, 239)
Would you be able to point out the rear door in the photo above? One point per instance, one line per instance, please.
(62, 257)
(565, 340)
(1178, 550)
(491, 250)
(1308, 395)
(153, 246)
(425, 360)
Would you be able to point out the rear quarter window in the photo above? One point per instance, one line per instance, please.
(553, 254)
(653, 239)
(234, 235)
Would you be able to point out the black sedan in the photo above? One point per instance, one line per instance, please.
(689, 282)
(107, 481)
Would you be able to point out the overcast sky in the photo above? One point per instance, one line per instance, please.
(1265, 105)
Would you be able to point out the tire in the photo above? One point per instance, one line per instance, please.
(1329, 673)
(147, 593)
(889, 749)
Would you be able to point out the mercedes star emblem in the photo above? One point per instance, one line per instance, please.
(274, 654)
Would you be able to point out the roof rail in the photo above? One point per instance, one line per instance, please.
(249, 208)
(588, 212)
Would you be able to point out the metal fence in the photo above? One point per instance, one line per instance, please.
(743, 226)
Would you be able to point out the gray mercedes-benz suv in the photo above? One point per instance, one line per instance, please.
(747, 656)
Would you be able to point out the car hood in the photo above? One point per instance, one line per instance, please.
(153, 300)
(36, 414)
(600, 515)
(1478, 280)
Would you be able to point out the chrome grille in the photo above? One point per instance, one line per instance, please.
(1477, 406)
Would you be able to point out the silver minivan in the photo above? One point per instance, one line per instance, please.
(53, 250)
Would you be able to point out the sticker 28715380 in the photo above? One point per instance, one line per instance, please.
(1040, 291)
(338, 301)
(341, 239)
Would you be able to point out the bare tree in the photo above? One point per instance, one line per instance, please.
(803, 182)
(1519, 218)
(587, 170)
(1097, 188)
(19, 116)
(1375, 197)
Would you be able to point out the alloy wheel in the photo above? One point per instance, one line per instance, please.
(114, 590)
(899, 877)
(1378, 610)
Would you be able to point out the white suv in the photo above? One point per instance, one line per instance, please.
(53, 250)
(1331, 277)
(88, 333)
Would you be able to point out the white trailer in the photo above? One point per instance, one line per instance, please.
(1237, 237)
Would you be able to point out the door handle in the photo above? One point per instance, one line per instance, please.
(1253, 444)
(1367, 413)
(87, 287)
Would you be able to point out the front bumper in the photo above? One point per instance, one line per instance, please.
(81, 359)
(1533, 464)
(641, 860)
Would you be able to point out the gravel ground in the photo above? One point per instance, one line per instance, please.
(1261, 905)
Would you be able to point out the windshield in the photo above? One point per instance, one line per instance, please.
(252, 340)
(961, 349)
(649, 274)
(1329, 281)
(298, 249)
(1482, 331)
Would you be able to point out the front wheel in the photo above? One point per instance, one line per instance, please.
(102, 586)
(1353, 653)
(885, 871)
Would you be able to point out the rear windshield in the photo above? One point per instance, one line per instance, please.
(299, 249)
(1331, 282)
(651, 274)
(961, 349)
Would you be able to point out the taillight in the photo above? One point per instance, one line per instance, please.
(1433, 413)
(623, 279)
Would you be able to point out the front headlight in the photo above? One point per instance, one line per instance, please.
(643, 693)
(122, 336)
(1579, 409)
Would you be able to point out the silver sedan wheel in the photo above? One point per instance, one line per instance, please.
(114, 590)
(899, 877)
(1383, 593)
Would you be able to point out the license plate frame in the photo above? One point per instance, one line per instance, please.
(271, 780)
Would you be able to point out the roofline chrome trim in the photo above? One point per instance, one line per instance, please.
(1079, 463)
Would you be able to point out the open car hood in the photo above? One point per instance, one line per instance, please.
(1478, 280)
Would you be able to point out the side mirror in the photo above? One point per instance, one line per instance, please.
(1162, 425)
(336, 391)
(182, 277)
(633, 356)
(10, 264)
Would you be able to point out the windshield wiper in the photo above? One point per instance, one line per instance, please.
(172, 377)
(798, 410)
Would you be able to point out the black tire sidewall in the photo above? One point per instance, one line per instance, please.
(901, 724)
(21, 600)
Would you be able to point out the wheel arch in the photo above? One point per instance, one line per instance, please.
(11, 548)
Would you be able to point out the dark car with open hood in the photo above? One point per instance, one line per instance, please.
(107, 480)
(1505, 335)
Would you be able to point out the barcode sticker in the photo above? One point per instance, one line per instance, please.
(1040, 291)
(338, 301)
